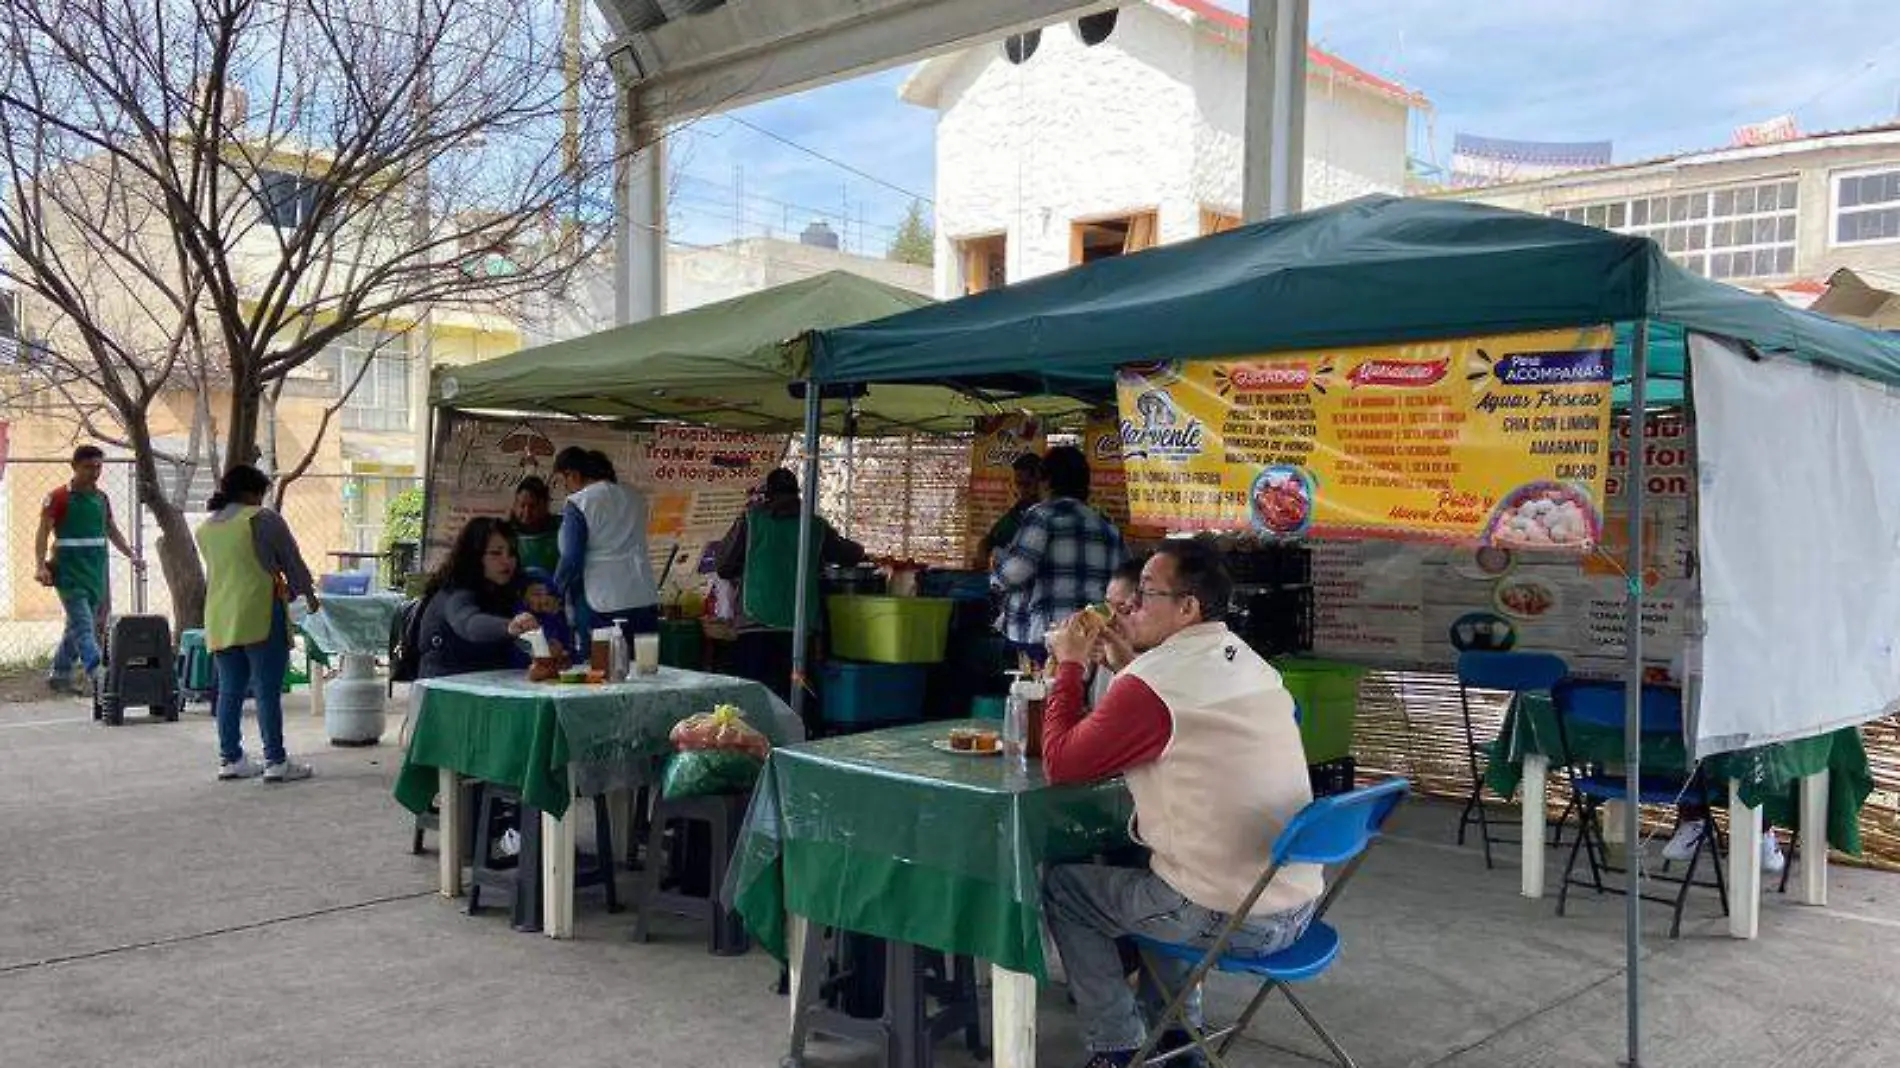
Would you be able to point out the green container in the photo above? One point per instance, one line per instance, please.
(1328, 695)
(682, 644)
(890, 630)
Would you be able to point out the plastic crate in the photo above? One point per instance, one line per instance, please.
(1328, 697)
(890, 630)
(860, 694)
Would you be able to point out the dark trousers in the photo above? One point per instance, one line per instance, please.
(765, 657)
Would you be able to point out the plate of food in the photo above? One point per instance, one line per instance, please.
(1544, 515)
(1281, 500)
(1525, 597)
(1483, 632)
(970, 742)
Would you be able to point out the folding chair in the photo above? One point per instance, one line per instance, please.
(1331, 830)
(1516, 674)
(1600, 705)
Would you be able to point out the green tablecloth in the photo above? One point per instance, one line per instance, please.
(553, 742)
(356, 625)
(1770, 775)
(881, 834)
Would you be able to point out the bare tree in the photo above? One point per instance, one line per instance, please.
(207, 195)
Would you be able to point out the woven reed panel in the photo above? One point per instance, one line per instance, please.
(900, 497)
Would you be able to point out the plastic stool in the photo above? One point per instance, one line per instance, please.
(519, 877)
(880, 992)
(139, 669)
(719, 818)
(197, 676)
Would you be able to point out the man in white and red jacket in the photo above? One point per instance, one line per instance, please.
(1202, 729)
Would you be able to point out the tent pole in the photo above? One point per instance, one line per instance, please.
(1633, 689)
(807, 509)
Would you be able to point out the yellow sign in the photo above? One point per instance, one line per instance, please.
(1502, 440)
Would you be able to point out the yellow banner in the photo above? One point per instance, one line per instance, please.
(1502, 440)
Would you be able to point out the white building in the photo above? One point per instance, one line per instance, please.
(1077, 150)
(1781, 216)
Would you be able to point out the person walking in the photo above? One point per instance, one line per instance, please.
(252, 567)
(473, 618)
(79, 515)
(604, 546)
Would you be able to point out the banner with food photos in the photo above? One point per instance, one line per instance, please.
(1411, 604)
(1500, 440)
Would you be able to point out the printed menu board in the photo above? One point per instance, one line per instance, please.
(1500, 440)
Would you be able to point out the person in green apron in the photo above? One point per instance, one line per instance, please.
(252, 566)
(760, 553)
(537, 528)
(79, 516)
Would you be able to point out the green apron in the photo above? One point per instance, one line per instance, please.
(541, 550)
(239, 593)
(80, 552)
(770, 585)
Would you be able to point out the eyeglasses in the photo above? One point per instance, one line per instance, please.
(1145, 592)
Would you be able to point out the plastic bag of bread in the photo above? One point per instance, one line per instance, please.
(721, 730)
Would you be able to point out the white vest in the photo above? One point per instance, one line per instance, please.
(617, 573)
(1233, 774)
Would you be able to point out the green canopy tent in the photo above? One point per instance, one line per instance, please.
(736, 365)
(1379, 270)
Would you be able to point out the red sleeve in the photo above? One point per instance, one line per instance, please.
(56, 504)
(1131, 726)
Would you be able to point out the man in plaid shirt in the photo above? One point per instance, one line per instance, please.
(1061, 560)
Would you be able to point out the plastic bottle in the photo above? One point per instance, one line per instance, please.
(1016, 718)
(621, 657)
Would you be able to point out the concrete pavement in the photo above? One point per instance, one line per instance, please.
(152, 916)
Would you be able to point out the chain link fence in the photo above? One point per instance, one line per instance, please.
(334, 516)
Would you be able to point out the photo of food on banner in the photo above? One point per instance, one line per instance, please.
(1487, 470)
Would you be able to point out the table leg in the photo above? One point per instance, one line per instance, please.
(316, 687)
(450, 822)
(797, 929)
(1744, 865)
(1013, 1016)
(1814, 802)
(620, 811)
(1531, 792)
(1615, 843)
(557, 874)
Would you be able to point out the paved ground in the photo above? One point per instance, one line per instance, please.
(151, 916)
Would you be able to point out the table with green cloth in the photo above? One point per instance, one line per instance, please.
(553, 742)
(1827, 775)
(352, 624)
(884, 834)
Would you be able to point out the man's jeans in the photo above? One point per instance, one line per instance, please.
(1090, 906)
(80, 641)
(258, 668)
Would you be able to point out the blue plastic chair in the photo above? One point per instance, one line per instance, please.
(1601, 706)
(1516, 674)
(1334, 831)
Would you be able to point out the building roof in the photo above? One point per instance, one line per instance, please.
(1887, 133)
(926, 82)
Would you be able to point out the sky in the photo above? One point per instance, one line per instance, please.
(1653, 78)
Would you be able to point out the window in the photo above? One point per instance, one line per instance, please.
(1735, 232)
(1867, 207)
(287, 200)
(1098, 239)
(381, 400)
(985, 263)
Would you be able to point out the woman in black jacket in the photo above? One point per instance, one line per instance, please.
(472, 618)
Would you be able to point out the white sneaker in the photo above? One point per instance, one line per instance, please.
(287, 771)
(1773, 860)
(1683, 846)
(242, 768)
